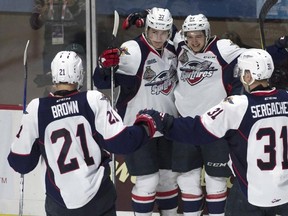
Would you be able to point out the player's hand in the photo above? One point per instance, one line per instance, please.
(35, 21)
(163, 121)
(109, 58)
(137, 19)
(147, 122)
(282, 42)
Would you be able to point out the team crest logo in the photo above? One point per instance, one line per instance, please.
(163, 83)
(148, 73)
(194, 72)
(183, 57)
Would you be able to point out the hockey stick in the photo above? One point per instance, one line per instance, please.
(268, 4)
(114, 34)
(21, 201)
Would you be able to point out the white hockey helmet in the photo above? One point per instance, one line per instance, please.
(159, 19)
(197, 22)
(67, 67)
(259, 62)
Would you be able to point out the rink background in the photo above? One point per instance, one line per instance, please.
(14, 33)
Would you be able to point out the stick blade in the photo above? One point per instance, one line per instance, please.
(268, 4)
(25, 53)
(116, 24)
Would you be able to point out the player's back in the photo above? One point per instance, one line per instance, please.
(265, 126)
(66, 129)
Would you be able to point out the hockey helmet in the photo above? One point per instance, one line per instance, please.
(67, 67)
(259, 62)
(196, 23)
(159, 19)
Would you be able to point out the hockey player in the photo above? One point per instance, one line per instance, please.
(255, 124)
(71, 131)
(205, 73)
(146, 74)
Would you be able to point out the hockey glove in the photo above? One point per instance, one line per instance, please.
(109, 58)
(162, 120)
(147, 122)
(282, 42)
(137, 19)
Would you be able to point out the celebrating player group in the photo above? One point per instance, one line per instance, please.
(188, 101)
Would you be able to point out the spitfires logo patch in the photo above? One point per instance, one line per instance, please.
(194, 72)
(163, 83)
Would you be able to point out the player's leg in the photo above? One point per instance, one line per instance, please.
(167, 189)
(216, 190)
(216, 157)
(144, 193)
(144, 165)
(191, 192)
(167, 193)
(187, 160)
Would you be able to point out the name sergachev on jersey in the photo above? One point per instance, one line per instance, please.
(269, 109)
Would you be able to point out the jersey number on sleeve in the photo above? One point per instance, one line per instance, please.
(65, 134)
(270, 149)
(112, 118)
(215, 113)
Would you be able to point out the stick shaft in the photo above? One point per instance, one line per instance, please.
(114, 34)
(21, 200)
(268, 4)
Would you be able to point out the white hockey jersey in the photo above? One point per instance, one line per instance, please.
(70, 133)
(255, 126)
(146, 79)
(205, 78)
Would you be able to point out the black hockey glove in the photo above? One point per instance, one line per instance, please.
(137, 19)
(109, 58)
(282, 42)
(163, 121)
(35, 21)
